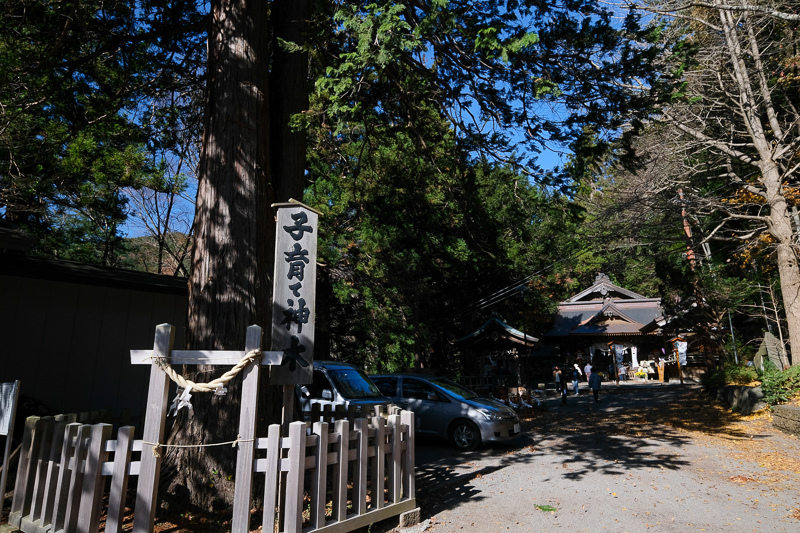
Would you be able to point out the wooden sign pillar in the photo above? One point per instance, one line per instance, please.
(293, 299)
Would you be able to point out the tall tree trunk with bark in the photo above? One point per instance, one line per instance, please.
(230, 283)
(780, 227)
(288, 96)
(738, 113)
(240, 177)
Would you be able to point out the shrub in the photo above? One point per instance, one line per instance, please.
(731, 375)
(779, 386)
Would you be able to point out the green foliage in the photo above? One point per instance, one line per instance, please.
(414, 231)
(89, 91)
(741, 374)
(496, 70)
(779, 386)
(736, 347)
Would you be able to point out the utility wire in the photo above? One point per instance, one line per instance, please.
(502, 294)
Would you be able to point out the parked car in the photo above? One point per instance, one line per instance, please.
(335, 383)
(446, 409)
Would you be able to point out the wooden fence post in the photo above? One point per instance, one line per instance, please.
(243, 486)
(44, 440)
(321, 479)
(379, 464)
(68, 452)
(294, 478)
(342, 431)
(119, 480)
(396, 472)
(273, 475)
(93, 483)
(21, 505)
(53, 470)
(76, 479)
(9, 395)
(409, 460)
(155, 420)
(360, 467)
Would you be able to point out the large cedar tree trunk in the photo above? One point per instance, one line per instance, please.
(230, 286)
(230, 282)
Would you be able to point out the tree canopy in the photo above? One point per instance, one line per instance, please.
(728, 124)
(89, 91)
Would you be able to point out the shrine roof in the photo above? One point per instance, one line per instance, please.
(582, 314)
(497, 325)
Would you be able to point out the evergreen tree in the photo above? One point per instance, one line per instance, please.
(88, 90)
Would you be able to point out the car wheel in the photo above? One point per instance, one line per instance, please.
(465, 435)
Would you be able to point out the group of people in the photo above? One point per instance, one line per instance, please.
(575, 373)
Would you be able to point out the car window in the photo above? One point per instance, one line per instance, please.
(454, 388)
(386, 385)
(354, 384)
(318, 384)
(417, 390)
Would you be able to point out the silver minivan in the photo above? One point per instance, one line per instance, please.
(446, 409)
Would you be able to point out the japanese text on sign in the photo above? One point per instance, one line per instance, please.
(294, 293)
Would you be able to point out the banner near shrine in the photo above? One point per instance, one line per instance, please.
(294, 291)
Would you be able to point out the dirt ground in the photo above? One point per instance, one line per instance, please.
(651, 456)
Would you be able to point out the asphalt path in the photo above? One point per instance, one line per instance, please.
(597, 467)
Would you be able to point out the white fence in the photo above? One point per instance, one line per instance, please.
(334, 478)
(321, 477)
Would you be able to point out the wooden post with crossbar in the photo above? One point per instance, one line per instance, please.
(162, 356)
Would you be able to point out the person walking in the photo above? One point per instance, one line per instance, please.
(561, 385)
(594, 385)
(576, 378)
(587, 370)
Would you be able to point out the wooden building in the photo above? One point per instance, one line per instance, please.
(66, 331)
(496, 356)
(607, 319)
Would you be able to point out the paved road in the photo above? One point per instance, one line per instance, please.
(607, 467)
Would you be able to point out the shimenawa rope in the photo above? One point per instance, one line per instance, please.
(211, 386)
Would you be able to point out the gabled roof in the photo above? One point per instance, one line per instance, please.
(609, 321)
(495, 324)
(594, 310)
(603, 288)
(611, 310)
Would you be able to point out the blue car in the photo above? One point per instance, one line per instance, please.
(448, 410)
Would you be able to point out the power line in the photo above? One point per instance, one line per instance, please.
(502, 294)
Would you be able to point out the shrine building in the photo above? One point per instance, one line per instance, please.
(605, 324)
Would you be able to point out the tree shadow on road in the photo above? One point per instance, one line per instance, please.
(631, 429)
(444, 476)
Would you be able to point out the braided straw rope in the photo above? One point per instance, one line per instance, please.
(211, 386)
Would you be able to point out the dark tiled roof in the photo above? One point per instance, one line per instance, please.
(580, 314)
